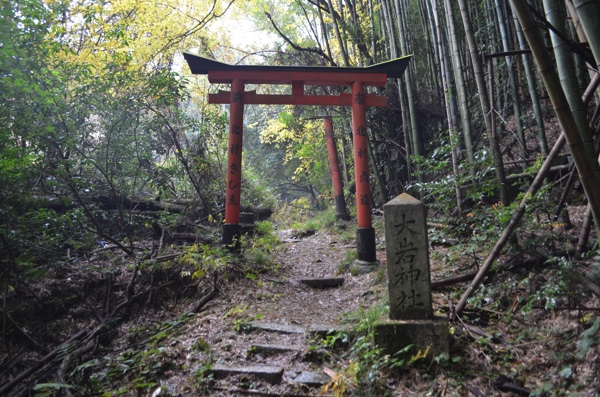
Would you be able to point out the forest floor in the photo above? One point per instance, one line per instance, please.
(505, 343)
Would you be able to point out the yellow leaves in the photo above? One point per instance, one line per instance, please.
(303, 140)
(420, 355)
(235, 311)
(149, 33)
(338, 384)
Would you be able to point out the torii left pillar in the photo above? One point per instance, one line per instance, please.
(231, 228)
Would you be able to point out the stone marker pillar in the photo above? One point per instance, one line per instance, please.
(409, 283)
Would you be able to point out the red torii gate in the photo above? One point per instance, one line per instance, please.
(357, 78)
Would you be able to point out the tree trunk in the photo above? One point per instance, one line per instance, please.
(483, 100)
(580, 34)
(568, 75)
(461, 89)
(531, 83)
(514, 90)
(448, 96)
(515, 219)
(431, 83)
(589, 15)
(372, 27)
(408, 80)
(325, 33)
(589, 171)
(338, 34)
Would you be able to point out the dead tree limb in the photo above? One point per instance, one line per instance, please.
(453, 280)
(512, 225)
(296, 47)
(24, 333)
(516, 218)
(16, 380)
(196, 307)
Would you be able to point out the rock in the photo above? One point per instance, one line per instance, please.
(267, 373)
(323, 282)
(267, 350)
(279, 328)
(311, 379)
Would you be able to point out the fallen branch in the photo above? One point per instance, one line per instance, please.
(514, 221)
(516, 218)
(508, 385)
(24, 333)
(191, 237)
(16, 380)
(453, 280)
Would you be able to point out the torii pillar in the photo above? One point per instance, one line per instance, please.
(365, 233)
(357, 78)
(231, 228)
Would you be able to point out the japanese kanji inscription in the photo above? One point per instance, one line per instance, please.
(407, 254)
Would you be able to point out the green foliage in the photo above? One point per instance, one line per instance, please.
(139, 368)
(367, 367)
(559, 286)
(72, 130)
(49, 389)
(241, 320)
(347, 262)
(588, 339)
(204, 259)
(256, 192)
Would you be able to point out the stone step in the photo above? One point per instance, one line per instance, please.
(271, 374)
(323, 282)
(272, 349)
(308, 378)
(278, 328)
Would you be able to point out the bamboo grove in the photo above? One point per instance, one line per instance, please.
(482, 84)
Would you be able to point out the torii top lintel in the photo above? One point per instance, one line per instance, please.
(298, 77)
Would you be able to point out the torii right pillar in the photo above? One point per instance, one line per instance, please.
(365, 233)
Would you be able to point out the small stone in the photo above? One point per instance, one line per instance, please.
(267, 373)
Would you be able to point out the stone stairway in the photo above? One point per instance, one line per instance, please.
(280, 352)
(277, 353)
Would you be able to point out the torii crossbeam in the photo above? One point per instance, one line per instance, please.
(299, 77)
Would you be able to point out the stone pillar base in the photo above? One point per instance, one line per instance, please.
(393, 336)
(231, 236)
(365, 244)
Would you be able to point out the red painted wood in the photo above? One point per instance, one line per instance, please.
(307, 78)
(234, 157)
(251, 98)
(361, 159)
